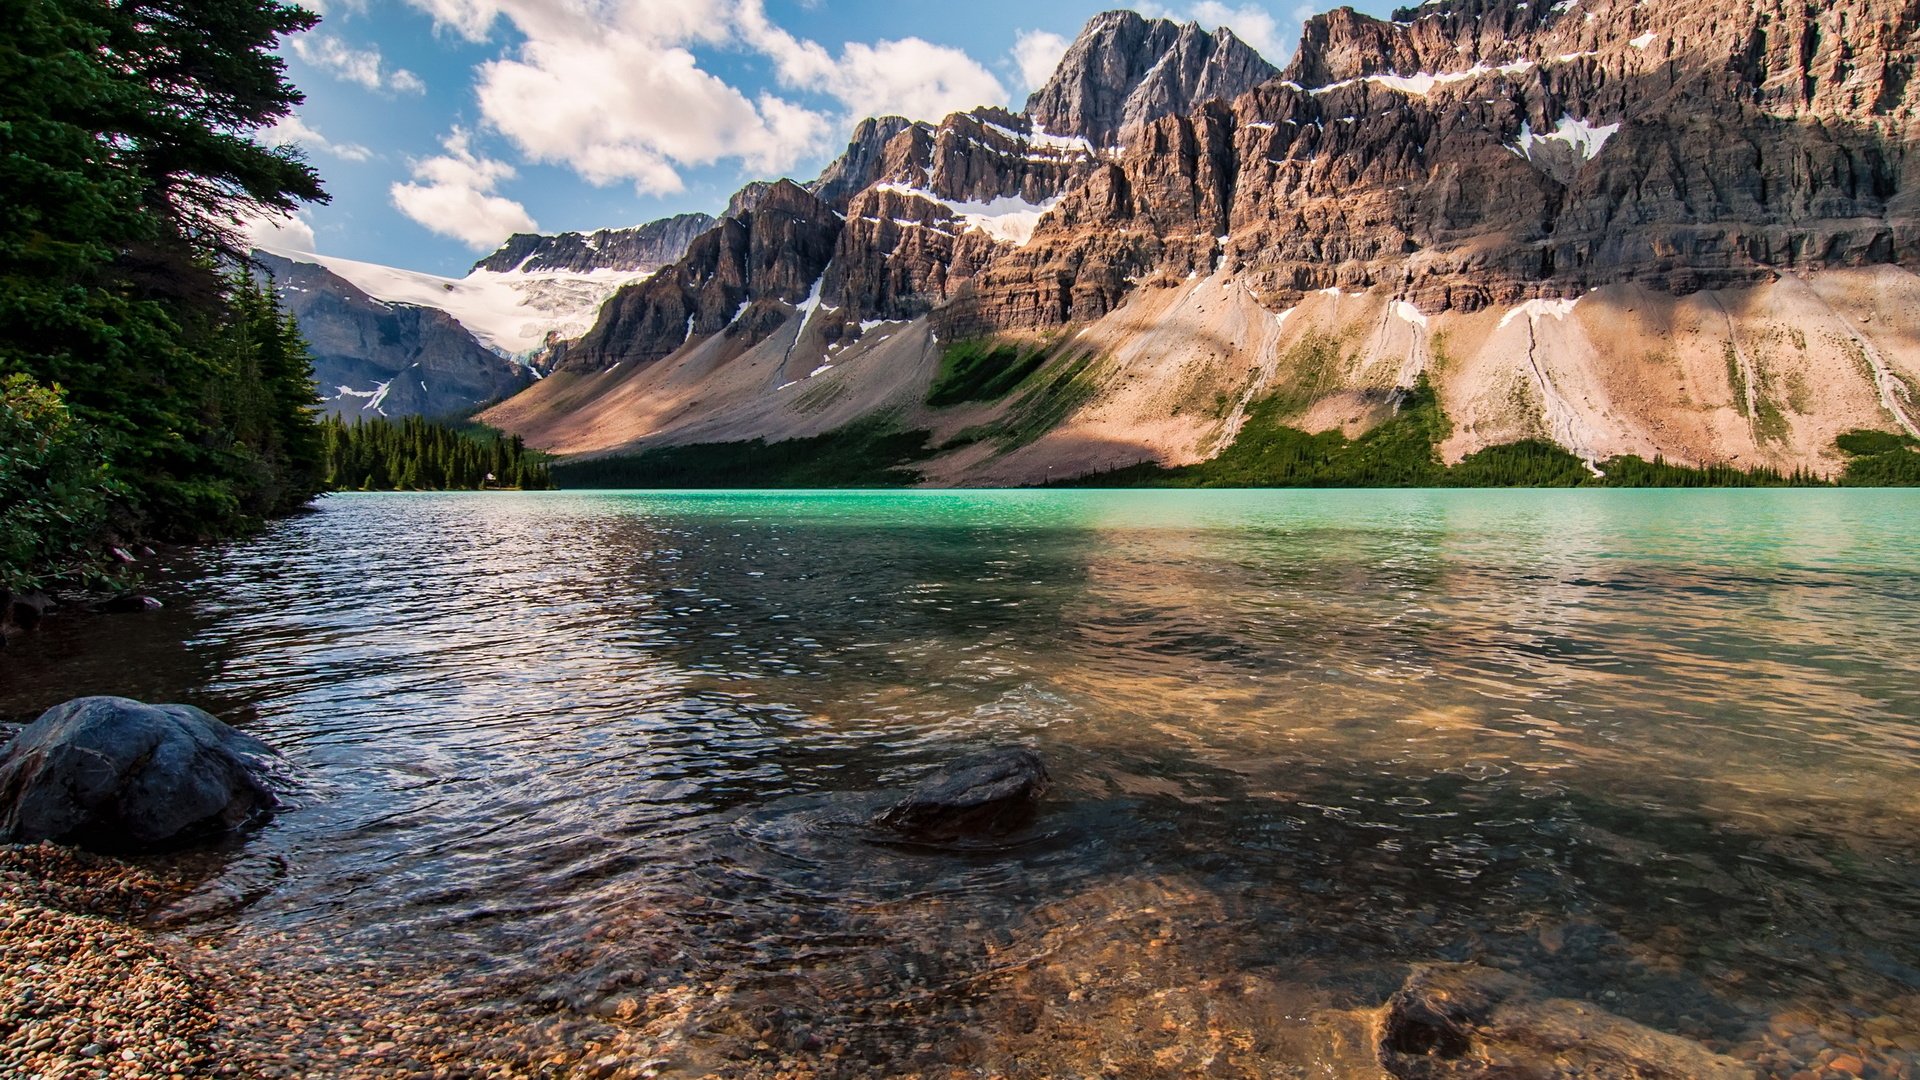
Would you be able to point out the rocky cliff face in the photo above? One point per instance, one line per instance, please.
(1124, 71)
(1476, 153)
(863, 163)
(643, 247)
(740, 278)
(383, 359)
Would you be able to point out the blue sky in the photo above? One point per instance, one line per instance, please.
(441, 126)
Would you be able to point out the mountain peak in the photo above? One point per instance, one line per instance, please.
(642, 247)
(1125, 69)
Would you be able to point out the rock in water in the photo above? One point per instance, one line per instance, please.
(1461, 1020)
(112, 774)
(993, 792)
(23, 611)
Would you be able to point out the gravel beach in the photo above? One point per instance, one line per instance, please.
(84, 992)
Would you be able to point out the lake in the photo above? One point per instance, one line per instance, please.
(572, 769)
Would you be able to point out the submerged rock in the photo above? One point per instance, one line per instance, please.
(992, 793)
(113, 774)
(1462, 1020)
(24, 610)
(128, 603)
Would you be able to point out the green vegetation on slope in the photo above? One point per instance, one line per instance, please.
(126, 158)
(870, 453)
(418, 455)
(1401, 452)
(1880, 459)
(1404, 452)
(983, 370)
(1048, 390)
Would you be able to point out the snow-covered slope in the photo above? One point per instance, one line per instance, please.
(512, 313)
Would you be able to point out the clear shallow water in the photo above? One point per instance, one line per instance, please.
(576, 768)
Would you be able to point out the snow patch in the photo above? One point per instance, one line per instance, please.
(1535, 310)
(1422, 83)
(1643, 40)
(1586, 140)
(1009, 218)
(1407, 313)
(807, 307)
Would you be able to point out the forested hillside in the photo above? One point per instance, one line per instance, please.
(152, 390)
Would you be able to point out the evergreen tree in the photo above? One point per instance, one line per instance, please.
(126, 163)
(414, 454)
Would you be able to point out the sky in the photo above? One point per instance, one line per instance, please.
(441, 127)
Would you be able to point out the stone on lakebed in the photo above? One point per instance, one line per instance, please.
(991, 793)
(1460, 1021)
(114, 774)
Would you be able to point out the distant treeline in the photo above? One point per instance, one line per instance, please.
(864, 454)
(419, 455)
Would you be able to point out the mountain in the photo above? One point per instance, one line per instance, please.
(1124, 71)
(1679, 228)
(644, 248)
(485, 335)
(371, 357)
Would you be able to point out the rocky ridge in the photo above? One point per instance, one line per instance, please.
(1476, 153)
(1467, 156)
(1124, 71)
(642, 247)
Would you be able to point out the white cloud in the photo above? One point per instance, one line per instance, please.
(613, 88)
(619, 107)
(673, 21)
(278, 232)
(363, 66)
(1037, 53)
(453, 195)
(471, 19)
(293, 131)
(610, 89)
(909, 77)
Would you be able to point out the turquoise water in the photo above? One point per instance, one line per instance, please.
(573, 766)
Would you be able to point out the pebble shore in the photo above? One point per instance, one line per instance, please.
(85, 991)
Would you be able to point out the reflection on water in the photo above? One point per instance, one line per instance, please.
(578, 767)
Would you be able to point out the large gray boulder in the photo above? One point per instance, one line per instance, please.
(113, 774)
(989, 793)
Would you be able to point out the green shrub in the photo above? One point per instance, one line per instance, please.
(56, 492)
